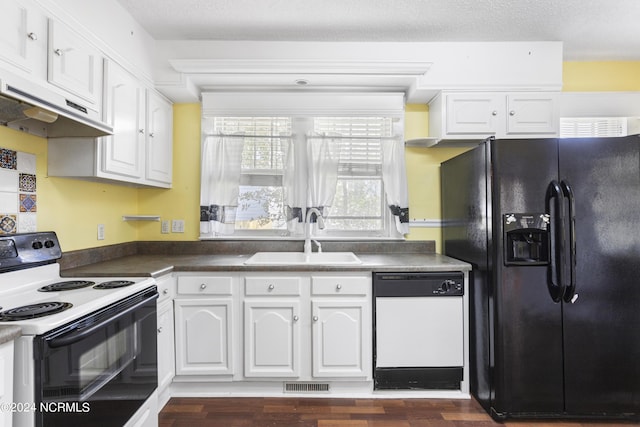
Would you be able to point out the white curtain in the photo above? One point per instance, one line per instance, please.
(294, 183)
(317, 188)
(394, 176)
(220, 184)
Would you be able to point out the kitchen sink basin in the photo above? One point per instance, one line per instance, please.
(300, 258)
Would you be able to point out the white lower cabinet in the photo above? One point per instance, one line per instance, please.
(338, 340)
(307, 326)
(291, 326)
(272, 339)
(6, 381)
(203, 336)
(166, 356)
(204, 325)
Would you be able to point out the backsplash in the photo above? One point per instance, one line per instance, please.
(18, 199)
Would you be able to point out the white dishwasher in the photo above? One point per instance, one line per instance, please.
(418, 330)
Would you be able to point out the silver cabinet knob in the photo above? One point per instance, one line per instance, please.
(32, 36)
(203, 286)
(494, 113)
(165, 291)
(160, 330)
(338, 286)
(271, 287)
(295, 318)
(151, 135)
(315, 318)
(512, 113)
(58, 52)
(141, 131)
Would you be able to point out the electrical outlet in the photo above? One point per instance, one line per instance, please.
(177, 226)
(164, 228)
(100, 231)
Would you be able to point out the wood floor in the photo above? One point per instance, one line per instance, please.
(317, 412)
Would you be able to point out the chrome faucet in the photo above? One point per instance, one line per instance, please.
(307, 229)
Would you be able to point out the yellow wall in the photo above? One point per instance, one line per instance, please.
(74, 208)
(182, 201)
(615, 76)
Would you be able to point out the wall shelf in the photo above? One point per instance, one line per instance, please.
(141, 217)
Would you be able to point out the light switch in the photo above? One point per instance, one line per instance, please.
(177, 226)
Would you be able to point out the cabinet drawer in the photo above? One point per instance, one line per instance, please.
(340, 285)
(166, 288)
(272, 286)
(204, 285)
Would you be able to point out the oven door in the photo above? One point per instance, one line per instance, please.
(99, 370)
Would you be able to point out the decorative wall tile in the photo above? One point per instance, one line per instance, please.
(8, 159)
(18, 200)
(27, 182)
(28, 203)
(8, 223)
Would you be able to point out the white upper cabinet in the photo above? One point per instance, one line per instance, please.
(159, 141)
(470, 114)
(125, 108)
(532, 113)
(73, 64)
(478, 115)
(23, 38)
(139, 152)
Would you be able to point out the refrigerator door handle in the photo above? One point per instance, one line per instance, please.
(554, 270)
(570, 294)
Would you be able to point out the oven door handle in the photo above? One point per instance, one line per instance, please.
(80, 334)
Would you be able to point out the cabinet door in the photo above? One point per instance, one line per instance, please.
(23, 36)
(74, 65)
(271, 339)
(6, 380)
(339, 342)
(532, 113)
(166, 355)
(473, 114)
(123, 152)
(203, 336)
(159, 139)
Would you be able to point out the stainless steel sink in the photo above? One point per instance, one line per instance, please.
(300, 258)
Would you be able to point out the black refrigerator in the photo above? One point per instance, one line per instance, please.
(552, 229)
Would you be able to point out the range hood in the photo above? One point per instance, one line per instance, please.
(31, 108)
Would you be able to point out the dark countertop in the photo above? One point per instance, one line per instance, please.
(158, 265)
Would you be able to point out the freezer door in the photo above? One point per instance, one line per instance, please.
(528, 323)
(602, 327)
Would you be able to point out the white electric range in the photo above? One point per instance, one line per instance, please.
(87, 352)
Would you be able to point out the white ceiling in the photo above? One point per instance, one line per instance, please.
(589, 29)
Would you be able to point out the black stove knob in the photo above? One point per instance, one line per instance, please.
(49, 244)
(36, 245)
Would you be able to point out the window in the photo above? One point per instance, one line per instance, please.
(261, 193)
(277, 173)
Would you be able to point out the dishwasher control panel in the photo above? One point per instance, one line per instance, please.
(418, 284)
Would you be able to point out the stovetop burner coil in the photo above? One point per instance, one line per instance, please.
(33, 311)
(67, 286)
(113, 284)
